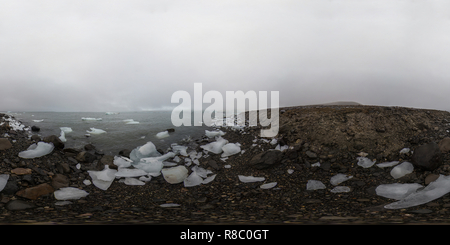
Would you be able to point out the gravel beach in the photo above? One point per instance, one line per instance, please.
(322, 141)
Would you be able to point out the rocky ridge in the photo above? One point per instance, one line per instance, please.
(333, 136)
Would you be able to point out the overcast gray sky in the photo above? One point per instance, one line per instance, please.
(108, 55)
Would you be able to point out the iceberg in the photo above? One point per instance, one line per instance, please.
(133, 181)
(432, 191)
(126, 172)
(339, 189)
(268, 185)
(37, 150)
(147, 150)
(69, 193)
(3, 180)
(162, 135)
(365, 162)
(175, 175)
(339, 178)
(397, 191)
(248, 179)
(96, 131)
(402, 170)
(103, 179)
(314, 185)
(230, 149)
(216, 146)
(90, 119)
(212, 134)
(387, 164)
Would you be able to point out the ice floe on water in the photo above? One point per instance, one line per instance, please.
(91, 119)
(96, 131)
(162, 135)
(38, 120)
(212, 134)
(37, 150)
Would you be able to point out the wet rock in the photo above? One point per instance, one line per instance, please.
(170, 130)
(5, 144)
(63, 167)
(21, 171)
(311, 154)
(266, 159)
(35, 192)
(86, 157)
(18, 205)
(11, 186)
(108, 160)
(35, 138)
(125, 153)
(70, 152)
(430, 178)
(89, 147)
(444, 145)
(60, 181)
(57, 143)
(427, 157)
(35, 128)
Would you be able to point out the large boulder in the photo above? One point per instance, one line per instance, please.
(427, 157)
(5, 144)
(57, 143)
(266, 159)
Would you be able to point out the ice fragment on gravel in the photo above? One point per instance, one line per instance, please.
(339, 178)
(212, 134)
(103, 179)
(37, 150)
(290, 171)
(314, 185)
(209, 179)
(147, 150)
(230, 149)
(162, 135)
(169, 205)
(273, 142)
(397, 191)
(87, 182)
(96, 131)
(122, 162)
(247, 179)
(179, 149)
(127, 172)
(365, 162)
(175, 175)
(268, 185)
(432, 191)
(402, 170)
(216, 146)
(404, 150)
(133, 181)
(192, 180)
(387, 164)
(3, 180)
(69, 193)
(339, 189)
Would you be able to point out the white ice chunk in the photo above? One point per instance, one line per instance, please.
(162, 135)
(78, 166)
(339, 178)
(227, 166)
(62, 136)
(128, 120)
(402, 170)
(201, 171)
(212, 134)
(179, 149)
(69, 193)
(273, 142)
(176, 159)
(130, 172)
(66, 130)
(290, 171)
(170, 164)
(281, 148)
(230, 149)
(87, 182)
(314, 185)
(247, 179)
(96, 131)
(192, 180)
(38, 120)
(268, 185)
(216, 146)
(90, 119)
(404, 150)
(432, 191)
(103, 179)
(387, 164)
(209, 179)
(147, 150)
(146, 178)
(339, 189)
(37, 150)
(397, 191)
(132, 122)
(169, 205)
(3, 180)
(151, 165)
(133, 181)
(365, 162)
(317, 164)
(175, 175)
(122, 162)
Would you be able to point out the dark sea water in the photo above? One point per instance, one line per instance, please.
(118, 136)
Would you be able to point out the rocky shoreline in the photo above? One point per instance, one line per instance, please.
(332, 136)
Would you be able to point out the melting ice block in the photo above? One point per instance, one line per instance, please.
(103, 179)
(339, 189)
(96, 131)
(192, 180)
(268, 185)
(247, 179)
(122, 162)
(3, 180)
(179, 149)
(37, 150)
(397, 191)
(90, 119)
(133, 181)
(127, 172)
(365, 162)
(209, 179)
(175, 175)
(69, 193)
(147, 150)
(339, 178)
(62, 136)
(162, 135)
(230, 149)
(402, 170)
(66, 129)
(132, 122)
(387, 164)
(216, 146)
(314, 185)
(212, 134)
(432, 191)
